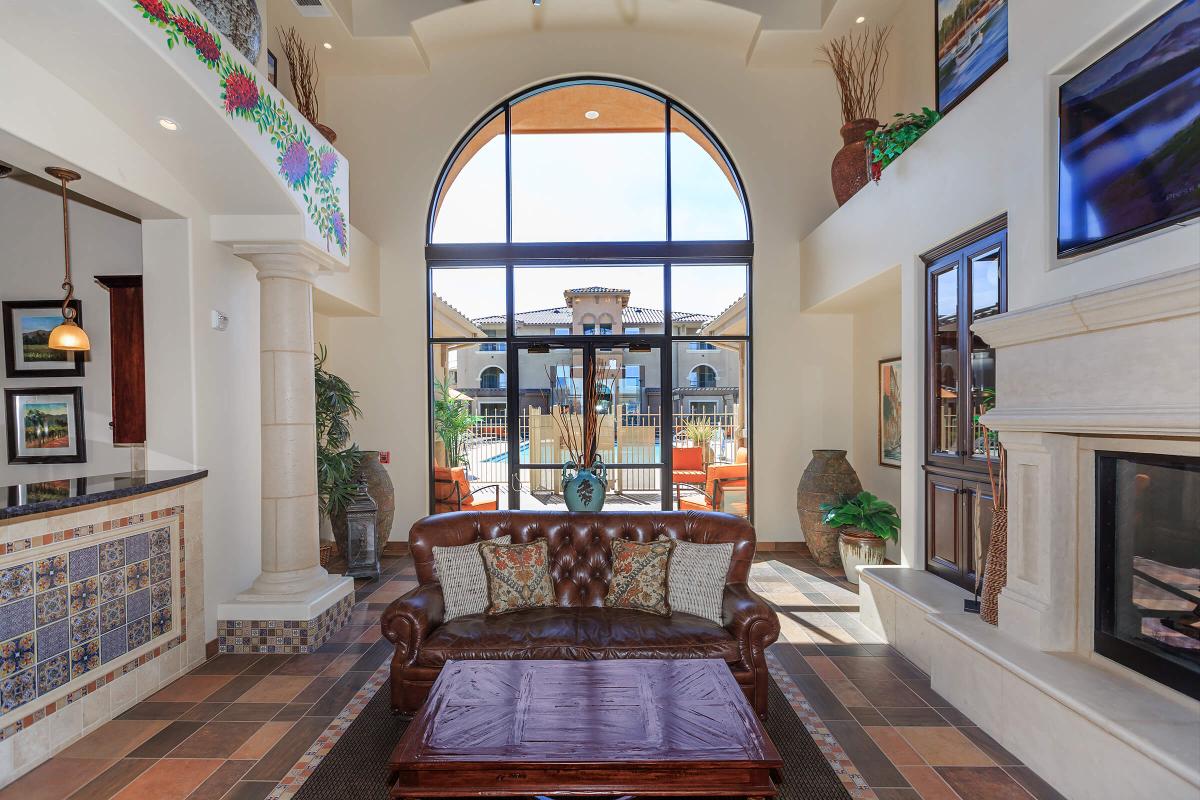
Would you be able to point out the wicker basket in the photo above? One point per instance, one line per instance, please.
(328, 551)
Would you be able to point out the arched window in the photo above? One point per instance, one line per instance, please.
(492, 378)
(592, 229)
(703, 377)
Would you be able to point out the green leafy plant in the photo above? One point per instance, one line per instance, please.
(866, 512)
(887, 143)
(337, 463)
(452, 421)
(699, 431)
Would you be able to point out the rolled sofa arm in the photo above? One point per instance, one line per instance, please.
(750, 620)
(410, 619)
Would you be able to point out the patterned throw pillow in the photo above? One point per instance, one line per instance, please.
(696, 578)
(639, 576)
(518, 576)
(464, 585)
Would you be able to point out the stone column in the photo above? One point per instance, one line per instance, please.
(293, 588)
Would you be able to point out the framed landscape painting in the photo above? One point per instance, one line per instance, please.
(45, 425)
(27, 326)
(972, 43)
(889, 412)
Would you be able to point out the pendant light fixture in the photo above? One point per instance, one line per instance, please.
(68, 335)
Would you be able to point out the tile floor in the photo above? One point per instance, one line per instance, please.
(234, 727)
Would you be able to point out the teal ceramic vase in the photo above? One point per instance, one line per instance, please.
(584, 489)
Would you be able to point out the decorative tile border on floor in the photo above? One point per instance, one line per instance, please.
(842, 766)
(304, 768)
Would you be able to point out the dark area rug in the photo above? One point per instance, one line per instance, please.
(357, 765)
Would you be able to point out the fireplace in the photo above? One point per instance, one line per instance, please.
(1148, 565)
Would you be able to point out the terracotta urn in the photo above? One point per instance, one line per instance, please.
(859, 547)
(380, 489)
(829, 478)
(850, 170)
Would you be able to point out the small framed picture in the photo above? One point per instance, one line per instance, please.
(889, 412)
(27, 354)
(972, 42)
(45, 425)
(272, 68)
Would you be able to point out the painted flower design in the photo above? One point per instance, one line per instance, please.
(85, 658)
(241, 93)
(199, 37)
(328, 163)
(17, 654)
(339, 230)
(156, 9)
(160, 621)
(137, 576)
(84, 594)
(17, 690)
(16, 582)
(294, 163)
(51, 572)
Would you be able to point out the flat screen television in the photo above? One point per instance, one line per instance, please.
(1129, 137)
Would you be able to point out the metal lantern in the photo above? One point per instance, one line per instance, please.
(362, 557)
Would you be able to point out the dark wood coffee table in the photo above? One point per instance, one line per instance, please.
(591, 728)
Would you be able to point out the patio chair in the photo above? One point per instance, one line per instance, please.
(724, 489)
(452, 492)
(687, 467)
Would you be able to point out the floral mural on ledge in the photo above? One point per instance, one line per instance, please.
(307, 170)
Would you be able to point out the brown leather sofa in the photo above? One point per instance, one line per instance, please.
(580, 627)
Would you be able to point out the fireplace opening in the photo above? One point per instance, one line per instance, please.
(1148, 565)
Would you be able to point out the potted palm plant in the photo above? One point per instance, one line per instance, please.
(865, 525)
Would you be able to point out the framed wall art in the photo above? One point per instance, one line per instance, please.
(44, 425)
(27, 326)
(889, 412)
(972, 42)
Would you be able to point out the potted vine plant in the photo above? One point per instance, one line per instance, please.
(866, 523)
(885, 144)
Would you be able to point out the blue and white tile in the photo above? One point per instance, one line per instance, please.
(16, 618)
(50, 572)
(160, 595)
(137, 547)
(85, 594)
(138, 632)
(114, 643)
(51, 606)
(85, 658)
(160, 622)
(137, 576)
(160, 567)
(16, 582)
(112, 615)
(160, 541)
(17, 690)
(84, 563)
(53, 639)
(137, 604)
(17, 655)
(112, 555)
(53, 673)
(112, 584)
(85, 625)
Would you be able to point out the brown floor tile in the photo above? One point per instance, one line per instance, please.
(861, 666)
(169, 779)
(332, 647)
(823, 666)
(1033, 784)
(165, 740)
(267, 664)
(275, 689)
(340, 665)
(115, 739)
(374, 656)
(923, 690)
(236, 687)
(291, 712)
(904, 669)
(190, 688)
(897, 794)
(914, 717)
(280, 758)
(151, 710)
(945, 747)
(990, 746)
(336, 698)
(315, 690)
(823, 701)
(954, 716)
(250, 712)
(113, 779)
(872, 764)
(221, 781)
(847, 692)
(202, 712)
(55, 779)
(227, 664)
(216, 740)
(867, 716)
(894, 746)
(983, 783)
(306, 664)
(250, 790)
(888, 693)
(348, 633)
(928, 783)
(262, 740)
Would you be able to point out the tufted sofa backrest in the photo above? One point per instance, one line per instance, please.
(581, 544)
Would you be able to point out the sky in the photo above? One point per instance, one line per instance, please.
(591, 187)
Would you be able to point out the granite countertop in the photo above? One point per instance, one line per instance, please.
(38, 497)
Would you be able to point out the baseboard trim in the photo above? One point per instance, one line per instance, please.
(210, 649)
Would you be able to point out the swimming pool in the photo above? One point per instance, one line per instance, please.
(629, 455)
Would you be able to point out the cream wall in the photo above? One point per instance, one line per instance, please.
(992, 154)
(777, 125)
(31, 268)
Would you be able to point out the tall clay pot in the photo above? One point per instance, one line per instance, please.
(850, 172)
(828, 478)
(379, 487)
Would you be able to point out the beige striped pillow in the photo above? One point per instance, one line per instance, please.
(696, 578)
(464, 584)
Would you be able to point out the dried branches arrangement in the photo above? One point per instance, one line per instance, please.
(859, 62)
(302, 66)
(579, 432)
(995, 570)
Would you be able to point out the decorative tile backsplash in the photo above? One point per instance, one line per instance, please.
(283, 636)
(67, 615)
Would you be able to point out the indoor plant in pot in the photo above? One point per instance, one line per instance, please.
(887, 143)
(858, 62)
(584, 476)
(865, 523)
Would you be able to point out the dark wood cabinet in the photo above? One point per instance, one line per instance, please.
(966, 282)
(127, 339)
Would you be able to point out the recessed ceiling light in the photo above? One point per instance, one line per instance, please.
(858, 21)
(592, 114)
(168, 124)
(328, 46)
